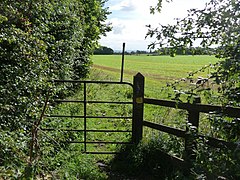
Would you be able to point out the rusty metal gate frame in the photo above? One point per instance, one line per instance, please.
(85, 117)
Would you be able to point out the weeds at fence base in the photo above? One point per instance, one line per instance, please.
(144, 161)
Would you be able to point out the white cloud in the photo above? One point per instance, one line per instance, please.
(118, 29)
(130, 17)
(124, 5)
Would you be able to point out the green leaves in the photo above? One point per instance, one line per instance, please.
(39, 41)
(216, 26)
(44, 40)
(212, 27)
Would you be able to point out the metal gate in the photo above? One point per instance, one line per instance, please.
(86, 117)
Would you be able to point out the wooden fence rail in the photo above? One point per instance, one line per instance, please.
(204, 108)
(197, 108)
(194, 109)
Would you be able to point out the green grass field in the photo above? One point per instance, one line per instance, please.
(158, 70)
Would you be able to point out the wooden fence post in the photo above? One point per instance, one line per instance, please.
(191, 132)
(138, 106)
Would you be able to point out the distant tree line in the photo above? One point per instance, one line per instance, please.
(103, 50)
(186, 51)
(138, 52)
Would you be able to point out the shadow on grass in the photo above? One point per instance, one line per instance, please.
(144, 161)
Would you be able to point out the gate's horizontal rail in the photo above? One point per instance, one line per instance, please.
(93, 102)
(98, 142)
(180, 133)
(84, 115)
(230, 111)
(89, 117)
(81, 130)
(219, 143)
(176, 161)
(90, 82)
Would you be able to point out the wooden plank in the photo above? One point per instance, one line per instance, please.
(230, 111)
(180, 133)
(190, 140)
(175, 161)
(193, 115)
(167, 129)
(218, 143)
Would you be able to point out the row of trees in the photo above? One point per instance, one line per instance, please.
(184, 51)
(103, 50)
(40, 41)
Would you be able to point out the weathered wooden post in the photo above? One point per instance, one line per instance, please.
(191, 134)
(138, 106)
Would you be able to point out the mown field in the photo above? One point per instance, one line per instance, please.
(139, 162)
(158, 70)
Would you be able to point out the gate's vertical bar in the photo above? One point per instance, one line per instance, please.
(122, 67)
(85, 114)
(191, 135)
(138, 107)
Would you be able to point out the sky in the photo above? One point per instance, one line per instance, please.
(130, 17)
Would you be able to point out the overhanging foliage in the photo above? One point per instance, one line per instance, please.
(39, 41)
(216, 25)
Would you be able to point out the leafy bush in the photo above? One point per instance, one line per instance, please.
(221, 86)
(39, 41)
(212, 162)
(13, 154)
(208, 27)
